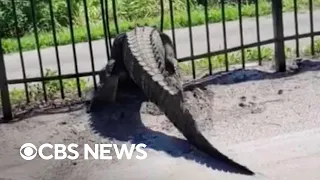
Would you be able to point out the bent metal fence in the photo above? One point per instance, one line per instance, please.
(111, 25)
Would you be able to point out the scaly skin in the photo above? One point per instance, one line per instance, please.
(144, 59)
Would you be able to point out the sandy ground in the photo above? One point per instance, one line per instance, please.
(265, 121)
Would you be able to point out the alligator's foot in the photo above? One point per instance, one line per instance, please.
(105, 94)
(114, 86)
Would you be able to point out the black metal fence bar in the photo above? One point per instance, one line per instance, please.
(229, 50)
(279, 49)
(172, 27)
(243, 60)
(258, 31)
(224, 35)
(300, 36)
(191, 39)
(296, 27)
(89, 41)
(115, 18)
(246, 46)
(105, 33)
(73, 47)
(52, 78)
(162, 15)
(20, 50)
(311, 26)
(56, 48)
(108, 25)
(208, 35)
(4, 90)
(32, 3)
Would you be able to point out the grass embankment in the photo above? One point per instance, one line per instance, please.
(143, 15)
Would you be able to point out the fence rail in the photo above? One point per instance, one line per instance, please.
(110, 19)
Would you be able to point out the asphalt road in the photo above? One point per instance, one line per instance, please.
(13, 64)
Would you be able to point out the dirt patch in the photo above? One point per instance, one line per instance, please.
(229, 112)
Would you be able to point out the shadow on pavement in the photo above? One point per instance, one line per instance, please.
(121, 121)
(240, 75)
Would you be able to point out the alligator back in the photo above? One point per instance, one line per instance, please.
(144, 58)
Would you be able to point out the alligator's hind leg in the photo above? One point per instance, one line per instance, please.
(113, 77)
(106, 71)
(107, 89)
(171, 63)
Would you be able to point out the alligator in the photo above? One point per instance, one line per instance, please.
(144, 56)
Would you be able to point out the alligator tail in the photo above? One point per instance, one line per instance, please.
(145, 61)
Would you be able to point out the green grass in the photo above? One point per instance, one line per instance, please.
(251, 55)
(35, 91)
(10, 45)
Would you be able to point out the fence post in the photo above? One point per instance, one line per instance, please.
(5, 97)
(279, 50)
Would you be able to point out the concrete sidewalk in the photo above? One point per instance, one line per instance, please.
(14, 69)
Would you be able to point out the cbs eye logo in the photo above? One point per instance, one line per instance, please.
(28, 151)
